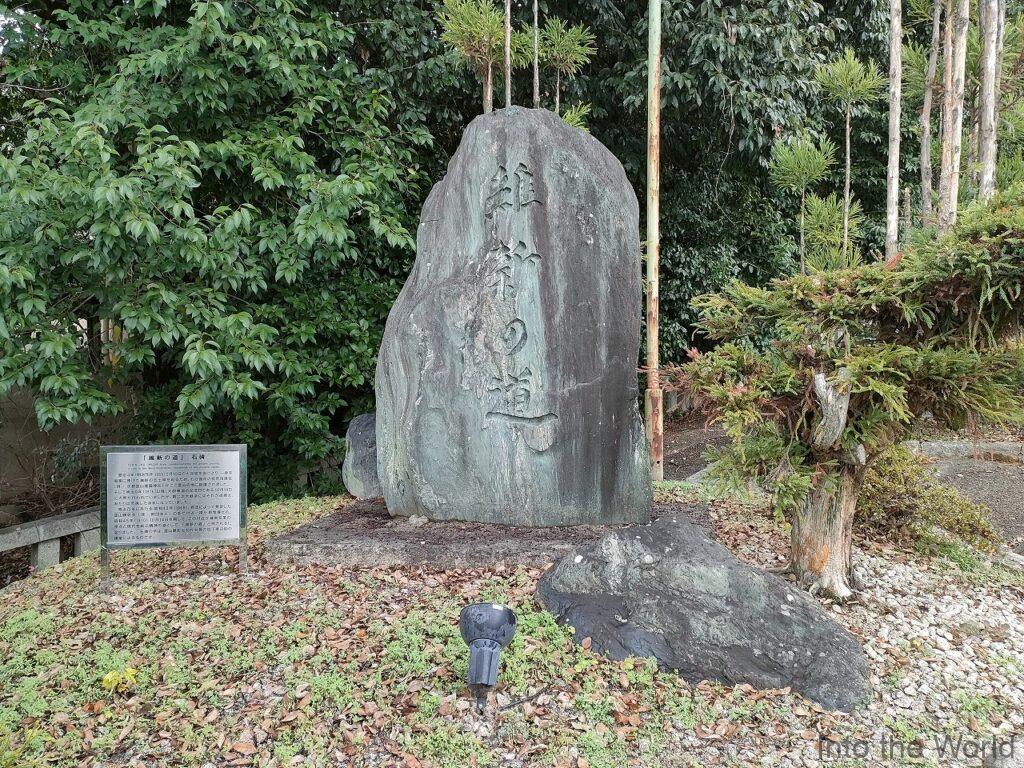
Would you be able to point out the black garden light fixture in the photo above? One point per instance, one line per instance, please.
(486, 628)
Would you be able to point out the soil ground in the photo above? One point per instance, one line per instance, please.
(686, 439)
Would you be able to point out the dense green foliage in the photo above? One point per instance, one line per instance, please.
(850, 82)
(232, 186)
(795, 166)
(825, 233)
(902, 499)
(475, 29)
(937, 332)
(566, 49)
(801, 162)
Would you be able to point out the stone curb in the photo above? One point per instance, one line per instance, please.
(991, 450)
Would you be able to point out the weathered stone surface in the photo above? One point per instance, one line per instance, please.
(363, 534)
(988, 472)
(45, 554)
(506, 381)
(1005, 751)
(359, 470)
(86, 542)
(55, 527)
(667, 591)
(1010, 451)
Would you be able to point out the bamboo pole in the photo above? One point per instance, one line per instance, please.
(653, 416)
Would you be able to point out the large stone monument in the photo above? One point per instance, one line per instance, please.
(506, 382)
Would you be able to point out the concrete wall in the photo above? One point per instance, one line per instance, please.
(21, 441)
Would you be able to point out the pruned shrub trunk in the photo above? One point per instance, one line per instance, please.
(822, 536)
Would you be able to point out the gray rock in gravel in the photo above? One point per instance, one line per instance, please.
(506, 381)
(667, 591)
(359, 472)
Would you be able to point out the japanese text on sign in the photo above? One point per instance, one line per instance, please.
(172, 495)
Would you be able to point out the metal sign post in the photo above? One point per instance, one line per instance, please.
(653, 416)
(172, 496)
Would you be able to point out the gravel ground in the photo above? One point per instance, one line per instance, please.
(947, 660)
(946, 651)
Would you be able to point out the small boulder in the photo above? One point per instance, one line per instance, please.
(359, 472)
(667, 591)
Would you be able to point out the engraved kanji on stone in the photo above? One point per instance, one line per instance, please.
(514, 386)
(499, 192)
(501, 282)
(514, 250)
(510, 191)
(514, 336)
(526, 193)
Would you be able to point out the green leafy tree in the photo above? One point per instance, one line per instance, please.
(522, 48)
(208, 209)
(825, 233)
(566, 49)
(852, 357)
(850, 83)
(576, 116)
(476, 30)
(796, 165)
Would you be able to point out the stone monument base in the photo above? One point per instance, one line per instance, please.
(364, 535)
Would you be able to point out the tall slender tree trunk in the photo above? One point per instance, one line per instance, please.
(803, 250)
(558, 92)
(988, 19)
(926, 116)
(907, 220)
(846, 190)
(536, 57)
(489, 88)
(508, 53)
(822, 534)
(1001, 37)
(973, 114)
(892, 177)
(946, 112)
(953, 107)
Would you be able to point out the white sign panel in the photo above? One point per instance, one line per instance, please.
(157, 495)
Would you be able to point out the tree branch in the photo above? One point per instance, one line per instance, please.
(834, 403)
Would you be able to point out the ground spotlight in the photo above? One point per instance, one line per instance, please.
(486, 628)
